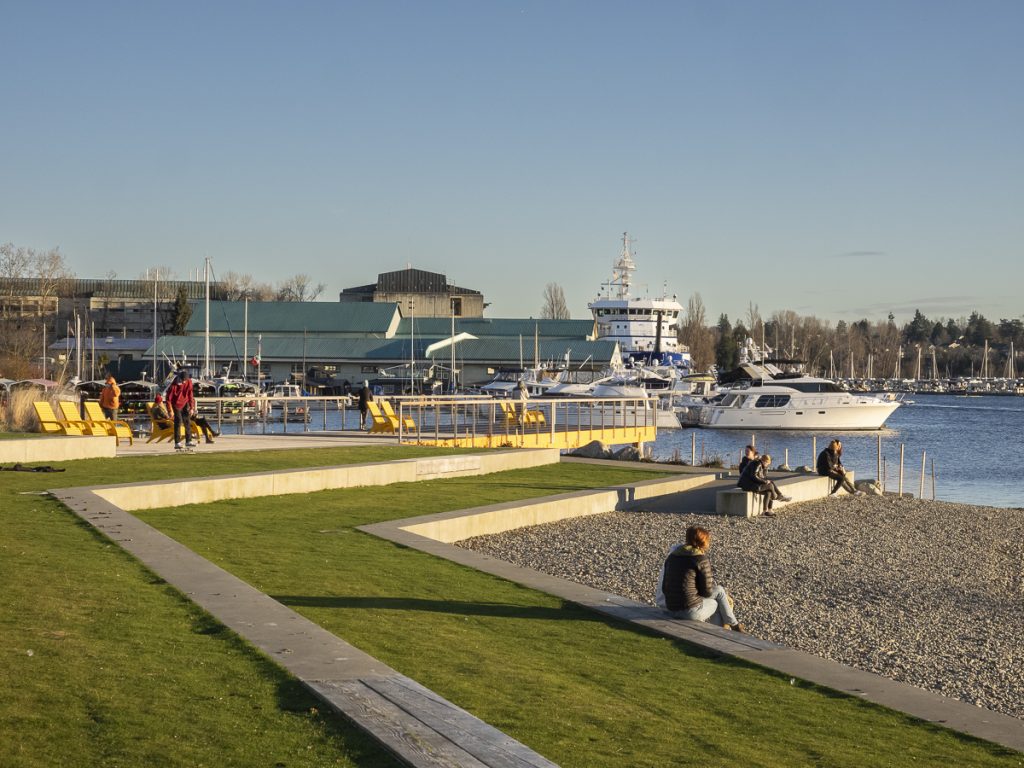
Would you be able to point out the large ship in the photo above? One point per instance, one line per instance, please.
(645, 328)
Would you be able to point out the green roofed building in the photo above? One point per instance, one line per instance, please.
(324, 344)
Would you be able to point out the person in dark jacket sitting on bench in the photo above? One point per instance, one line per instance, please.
(686, 587)
(754, 479)
(749, 454)
(830, 464)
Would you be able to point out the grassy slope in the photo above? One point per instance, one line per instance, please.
(581, 690)
(105, 665)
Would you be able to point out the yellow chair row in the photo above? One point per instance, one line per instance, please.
(386, 420)
(70, 422)
(525, 418)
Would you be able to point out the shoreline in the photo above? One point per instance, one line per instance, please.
(929, 593)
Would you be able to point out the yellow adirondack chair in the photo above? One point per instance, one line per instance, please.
(69, 412)
(160, 433)
(156, 431)
(116, 428)
(408, 424)
(49, 423)
(381, 423)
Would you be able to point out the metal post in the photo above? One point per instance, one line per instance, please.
(787, 457)
(878, 471)
(814, 450)
(920, 494)
(901, 471)
(693, 449)
(753, 440)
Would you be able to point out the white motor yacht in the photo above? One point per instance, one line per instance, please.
(770, 399)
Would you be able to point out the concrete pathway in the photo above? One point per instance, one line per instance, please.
(257, 442)
(415, 724)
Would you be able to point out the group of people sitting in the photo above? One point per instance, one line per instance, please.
(181, 399)
(686, 586)
(754, 478)
(754, 474)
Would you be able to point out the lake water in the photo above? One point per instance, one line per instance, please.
(968, 438)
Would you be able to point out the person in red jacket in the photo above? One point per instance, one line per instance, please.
(182, 402)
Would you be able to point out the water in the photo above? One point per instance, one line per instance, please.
(968, 438)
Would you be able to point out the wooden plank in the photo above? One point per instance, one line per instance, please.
(483, 741)
(395, 729)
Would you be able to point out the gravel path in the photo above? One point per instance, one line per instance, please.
(927, 593)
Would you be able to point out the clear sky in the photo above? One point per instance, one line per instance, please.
(843, 159)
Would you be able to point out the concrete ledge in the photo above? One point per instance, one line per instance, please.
(172, 493)
(449, 527)
(926, 705)
(740, 503)
(57, 448)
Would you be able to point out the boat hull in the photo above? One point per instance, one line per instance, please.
(834, 418)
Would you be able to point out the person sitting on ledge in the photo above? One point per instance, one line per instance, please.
(686, 586)
(754, 479)
(749, 454)
(830, 464)
(159, 413)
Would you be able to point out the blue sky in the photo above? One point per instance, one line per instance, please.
(838, 159)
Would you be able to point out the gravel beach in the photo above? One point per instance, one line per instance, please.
(927, 593)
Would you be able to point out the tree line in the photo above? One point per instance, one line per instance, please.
(946, 347)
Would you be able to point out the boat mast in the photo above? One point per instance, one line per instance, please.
(206, 334)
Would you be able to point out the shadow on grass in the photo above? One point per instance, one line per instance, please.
(460, 607)
(296, 700)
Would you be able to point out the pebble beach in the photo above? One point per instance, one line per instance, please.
(924, 592)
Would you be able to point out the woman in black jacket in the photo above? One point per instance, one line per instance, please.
(830, 464)
(754, 479)
(686, 587)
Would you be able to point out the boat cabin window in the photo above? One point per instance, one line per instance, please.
(730, 399)
(812, 386)
(772, 401)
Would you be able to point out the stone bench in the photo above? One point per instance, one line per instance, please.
(740, 503)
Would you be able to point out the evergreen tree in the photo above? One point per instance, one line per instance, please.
(726, 350)
(918, 330)
(182, 313)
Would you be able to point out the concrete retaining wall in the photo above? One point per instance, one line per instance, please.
(172, 493)
(57, 448)
(485, 521)
(739, 503)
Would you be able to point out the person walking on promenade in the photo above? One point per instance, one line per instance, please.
(749, 454)
(754, 479)
(182, 400)
(365, 397)
(686, 586)
(110, 398)
(830, 464)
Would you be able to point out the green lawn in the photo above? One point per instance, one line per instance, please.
(579, 689)
(108, 666)
(19, 435)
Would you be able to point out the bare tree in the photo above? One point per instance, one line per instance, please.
(20, 326)
(241, 286)
(299, 288)
(555, 307)
(695, 334)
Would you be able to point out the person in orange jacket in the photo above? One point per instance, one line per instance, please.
(110, 398)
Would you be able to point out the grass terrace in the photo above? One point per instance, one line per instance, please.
(112, 667)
